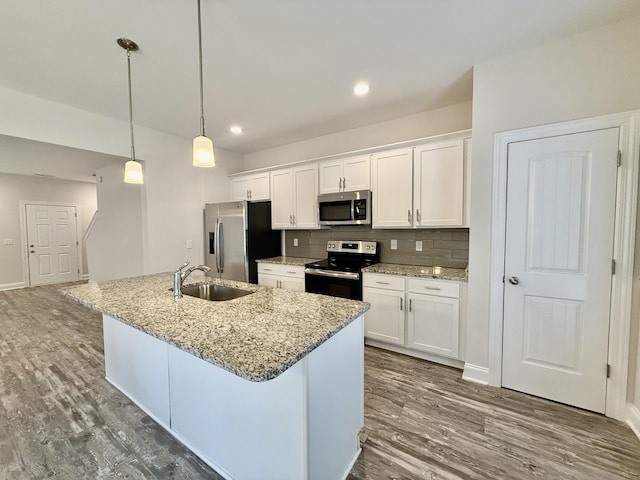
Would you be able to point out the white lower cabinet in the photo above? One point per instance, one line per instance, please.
(289, 277)
(413, 315)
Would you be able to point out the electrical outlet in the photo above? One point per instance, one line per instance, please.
(418, 245)
(8, 241)
(394, 244)
(295, 242)
(189, 244)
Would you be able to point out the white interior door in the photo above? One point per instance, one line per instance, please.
(52, 244)
(558, 266)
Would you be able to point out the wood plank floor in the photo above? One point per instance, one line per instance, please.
(59, 418)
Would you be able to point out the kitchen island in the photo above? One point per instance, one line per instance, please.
(268, 385)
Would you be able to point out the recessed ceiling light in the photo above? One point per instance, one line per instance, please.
(361, 89)
(236, 129)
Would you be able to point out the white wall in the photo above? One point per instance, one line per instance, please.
(590, 74)
(174, 190)
(114, 246)
(13, 189)
(425, 124)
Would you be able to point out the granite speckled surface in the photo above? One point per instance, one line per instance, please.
(441, 273)
(294, 261)
(256, 337)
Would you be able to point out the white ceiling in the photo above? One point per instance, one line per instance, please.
(283, 69)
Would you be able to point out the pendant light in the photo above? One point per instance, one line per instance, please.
(202, 145)
(132, 169)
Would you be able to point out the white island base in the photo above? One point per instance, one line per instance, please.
(304, 424)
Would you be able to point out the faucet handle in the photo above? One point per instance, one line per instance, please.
(179, 269)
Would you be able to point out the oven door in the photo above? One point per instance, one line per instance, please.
(337, 284)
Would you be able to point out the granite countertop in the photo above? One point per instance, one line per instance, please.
(256, 337)
(442, 273)
(294, 261)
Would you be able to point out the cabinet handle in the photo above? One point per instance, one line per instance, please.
(294, 220)
(418, 219)
(339, 184)
(247, 194)
(279, 283)
(250, 194)
(291, 219)
(410, 305)
(383, 283)
(409, 215)
(267, 269)
(432, 288)
(400, 304)
(292, 273)
(344, 183)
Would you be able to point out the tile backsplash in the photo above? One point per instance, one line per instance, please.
(441, 247)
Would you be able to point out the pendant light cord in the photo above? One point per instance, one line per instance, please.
(133, 151)
(201, 81)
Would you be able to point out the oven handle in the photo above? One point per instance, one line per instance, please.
(328, 273)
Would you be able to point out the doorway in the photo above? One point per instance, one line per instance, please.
(541, 351)
(52, 243)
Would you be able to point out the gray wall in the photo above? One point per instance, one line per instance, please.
(13, 189)
(444, 248)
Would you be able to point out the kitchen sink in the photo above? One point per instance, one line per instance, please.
(216, 293)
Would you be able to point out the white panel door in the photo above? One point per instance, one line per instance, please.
(259, 187)
(239, 189)
(559, 250)
(306, 197)
(52, 244)
(439, 184)
(282, 199)
(391, 184)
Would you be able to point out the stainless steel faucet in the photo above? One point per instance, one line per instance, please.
(179, 276)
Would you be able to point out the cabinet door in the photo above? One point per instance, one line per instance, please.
(438, 187)
(268, 280)
(259, 187)
(239, 189)
(295, 284)
(356, 173)
(330, 174)
(385, 319)
(282, 198)
(306, 197)
(433, 324)
(391, 181)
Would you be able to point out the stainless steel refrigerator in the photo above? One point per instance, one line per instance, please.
(236, 235)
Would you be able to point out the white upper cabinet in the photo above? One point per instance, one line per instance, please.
(438, 184)
(345, 175)
(391, 186)
(426, 186)
(294, 197)
(254, 187)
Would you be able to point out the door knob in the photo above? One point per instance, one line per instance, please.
(32, 251)
(514, 280)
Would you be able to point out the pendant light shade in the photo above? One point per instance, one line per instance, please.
(132, 169)
(133, 172)
(202, 145)
(203, 152)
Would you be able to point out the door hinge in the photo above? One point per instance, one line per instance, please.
(502, 279)
(613, 267)
(619, 157)
(77, 244)
(608, 371)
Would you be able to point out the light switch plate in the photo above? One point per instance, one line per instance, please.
(189, 244)
(295, 242)
(418, 245)
(394, 244)
(8, 241)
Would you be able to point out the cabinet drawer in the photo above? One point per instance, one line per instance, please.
(282, 270)
(440, 288)
(377, 280)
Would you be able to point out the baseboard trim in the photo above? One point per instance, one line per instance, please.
(633, 419)
(12, 286)
(451, 362)
(476, 374)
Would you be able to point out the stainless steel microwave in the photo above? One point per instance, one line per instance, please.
(345, 208)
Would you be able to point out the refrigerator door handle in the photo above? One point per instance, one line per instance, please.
(221, 247)
(216, 249)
